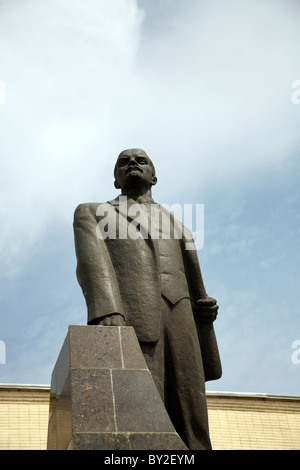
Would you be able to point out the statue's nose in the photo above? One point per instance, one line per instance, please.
(132, 162)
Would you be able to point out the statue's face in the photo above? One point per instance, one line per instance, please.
(134, 170)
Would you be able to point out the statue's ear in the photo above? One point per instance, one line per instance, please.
(154, 180)
(117, 186)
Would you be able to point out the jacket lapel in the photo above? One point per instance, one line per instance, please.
(134, 212)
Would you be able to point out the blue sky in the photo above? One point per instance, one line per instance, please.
(205, 88)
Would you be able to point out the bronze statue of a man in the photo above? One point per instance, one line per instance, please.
(152, 282)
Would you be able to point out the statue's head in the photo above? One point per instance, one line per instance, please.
(134, 170)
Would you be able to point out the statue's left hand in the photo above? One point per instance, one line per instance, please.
(115, 319)
(207, 310)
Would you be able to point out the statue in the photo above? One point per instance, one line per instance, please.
(131, 275)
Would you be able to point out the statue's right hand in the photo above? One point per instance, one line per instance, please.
(114, 319)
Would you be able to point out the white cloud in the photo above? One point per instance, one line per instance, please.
(223, 83)
(62, 65)
(210, 92)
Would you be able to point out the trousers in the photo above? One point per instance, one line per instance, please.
(175, 364)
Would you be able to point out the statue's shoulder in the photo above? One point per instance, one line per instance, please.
(93, 209)
(86, 208)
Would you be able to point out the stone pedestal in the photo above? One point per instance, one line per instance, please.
(103, 395)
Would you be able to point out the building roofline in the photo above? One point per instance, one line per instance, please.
(208, 392)
(253, 395)
(26, 386)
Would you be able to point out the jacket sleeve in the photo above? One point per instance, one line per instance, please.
(192, 268)
(205, 311)
(95, 272)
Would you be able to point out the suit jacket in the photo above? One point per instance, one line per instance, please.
(120, 274)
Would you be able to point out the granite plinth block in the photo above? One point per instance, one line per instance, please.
(103, 395)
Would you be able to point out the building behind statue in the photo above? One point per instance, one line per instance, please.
(238, 421)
